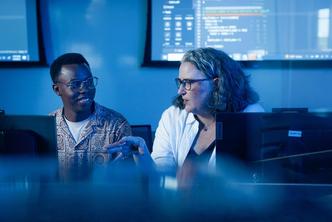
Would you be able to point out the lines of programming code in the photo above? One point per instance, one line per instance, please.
(245, 29)
(229, 26)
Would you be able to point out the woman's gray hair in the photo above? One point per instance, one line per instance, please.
(232, 92)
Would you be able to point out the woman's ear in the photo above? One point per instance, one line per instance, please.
(215, 82)
(56, 89)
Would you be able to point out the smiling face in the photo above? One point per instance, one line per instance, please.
(196, 99)
(77, 103)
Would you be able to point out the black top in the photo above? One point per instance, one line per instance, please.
(203, 157)
(194, 167)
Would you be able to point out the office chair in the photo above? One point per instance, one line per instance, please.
(145, 132)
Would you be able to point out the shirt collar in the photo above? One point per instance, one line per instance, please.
(96, 110)
(190, 118)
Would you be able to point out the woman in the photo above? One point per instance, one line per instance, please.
(209, 81)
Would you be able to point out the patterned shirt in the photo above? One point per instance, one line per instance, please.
(105, 126)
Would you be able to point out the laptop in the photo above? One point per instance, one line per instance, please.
(28, 134)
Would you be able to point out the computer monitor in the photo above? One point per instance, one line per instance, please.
(296, 146)
(21, 39)
(28, 134)
(262, 30)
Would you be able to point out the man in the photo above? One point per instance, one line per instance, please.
(83, 126)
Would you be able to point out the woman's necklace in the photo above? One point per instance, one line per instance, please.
(207, 127)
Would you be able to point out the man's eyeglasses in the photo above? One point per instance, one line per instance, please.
(76, 85)
(186, 83)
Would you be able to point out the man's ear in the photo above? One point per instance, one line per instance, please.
(56, 89)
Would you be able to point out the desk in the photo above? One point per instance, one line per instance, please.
(30, 190)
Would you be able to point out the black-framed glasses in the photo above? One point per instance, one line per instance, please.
(76, 85)
(186, 83)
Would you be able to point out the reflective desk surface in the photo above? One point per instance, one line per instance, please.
(32, 189)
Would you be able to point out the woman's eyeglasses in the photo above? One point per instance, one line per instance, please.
(186, 83)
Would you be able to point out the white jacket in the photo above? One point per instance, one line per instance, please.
(175, 134)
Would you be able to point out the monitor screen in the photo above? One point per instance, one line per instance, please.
(293, 145)
(20, 35)
(248, 30)
(39, 132)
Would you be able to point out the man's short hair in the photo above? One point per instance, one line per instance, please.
(66, 59)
